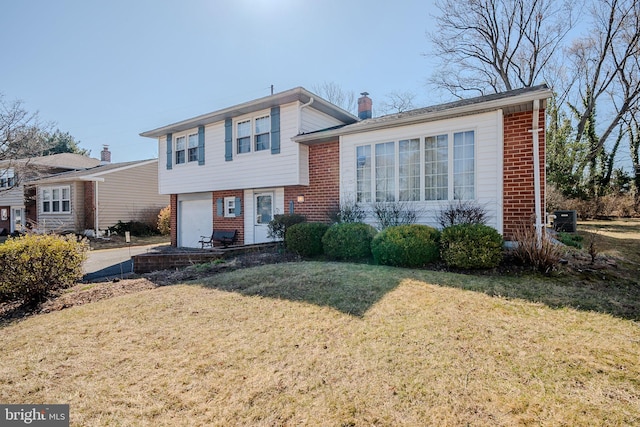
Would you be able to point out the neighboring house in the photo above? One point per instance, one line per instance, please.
(97, 198)
(295, 152)
(15, 208)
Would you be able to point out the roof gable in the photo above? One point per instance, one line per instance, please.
(299, 94)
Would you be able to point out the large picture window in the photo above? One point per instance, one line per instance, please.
(435, 167)
(55, 199)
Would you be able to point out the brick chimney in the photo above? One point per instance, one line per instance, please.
(105, 155)
(364, 106)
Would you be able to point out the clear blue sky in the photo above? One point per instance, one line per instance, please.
(106, 71)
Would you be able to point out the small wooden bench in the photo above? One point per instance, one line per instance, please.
(226, 237)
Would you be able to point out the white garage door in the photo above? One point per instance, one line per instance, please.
(195, 219)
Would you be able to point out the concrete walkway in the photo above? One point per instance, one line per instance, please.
(112, 263)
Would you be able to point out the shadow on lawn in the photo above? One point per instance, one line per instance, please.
(355, 288)
(350, 288)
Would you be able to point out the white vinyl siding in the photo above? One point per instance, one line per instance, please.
(312, 120)
(478, 173)
(251, 170)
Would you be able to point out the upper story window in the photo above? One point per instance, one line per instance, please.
(192, 154)
(55, 199)
(253, 134)
(439, 167)
(243, 136)
(180, 149)
(7, 178)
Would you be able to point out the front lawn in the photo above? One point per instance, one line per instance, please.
(313, 343)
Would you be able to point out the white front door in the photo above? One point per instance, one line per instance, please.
(17, 219)
(263, 215)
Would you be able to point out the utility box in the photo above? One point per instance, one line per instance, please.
(565, 221)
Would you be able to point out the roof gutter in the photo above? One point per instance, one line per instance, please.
(428, 116)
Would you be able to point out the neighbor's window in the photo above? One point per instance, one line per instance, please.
(56, 199)
(229, 207)
(7, 178)
(243, 136)
(192, 153)
(180, 146)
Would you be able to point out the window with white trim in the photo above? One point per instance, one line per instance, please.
(55, 199)
(437, 167)
(192, 145)
(7, 178)
(229, 207)
(253, 134)
(180, 149)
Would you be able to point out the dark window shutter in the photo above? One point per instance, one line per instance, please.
(275, 130)
(228, 140)
(169, 150)
(201, 145)
(219, 203)
(238, 206)
(291, 207)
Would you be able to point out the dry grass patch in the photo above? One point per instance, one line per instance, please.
(286, 352)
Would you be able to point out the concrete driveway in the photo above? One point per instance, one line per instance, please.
(111, 263)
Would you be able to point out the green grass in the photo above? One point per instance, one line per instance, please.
(339, 344)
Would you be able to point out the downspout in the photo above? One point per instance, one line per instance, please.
(95, 216)
(300, 114)
(536, 167)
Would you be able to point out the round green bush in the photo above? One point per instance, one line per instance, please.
(305, 238)
(348, 241)
(471, 246)
(412, 245)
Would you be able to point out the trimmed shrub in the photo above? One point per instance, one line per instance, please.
(35, 265)
(471, 246)
(279, 224)
(406, 245)
(164, 221)
(348, 241)
(305, 238)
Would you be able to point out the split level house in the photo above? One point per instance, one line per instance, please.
(89, 194)
(294, 152)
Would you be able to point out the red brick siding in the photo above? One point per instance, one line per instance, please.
(222, 223)
(518, 187)
(89, 205)
(173, 201)
(323, 192)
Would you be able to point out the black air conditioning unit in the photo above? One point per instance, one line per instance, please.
(565, 221)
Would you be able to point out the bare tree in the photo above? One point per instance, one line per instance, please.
(397, 102)
(607, 67)
(20, 131)
(335, 94)
(490, 46)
